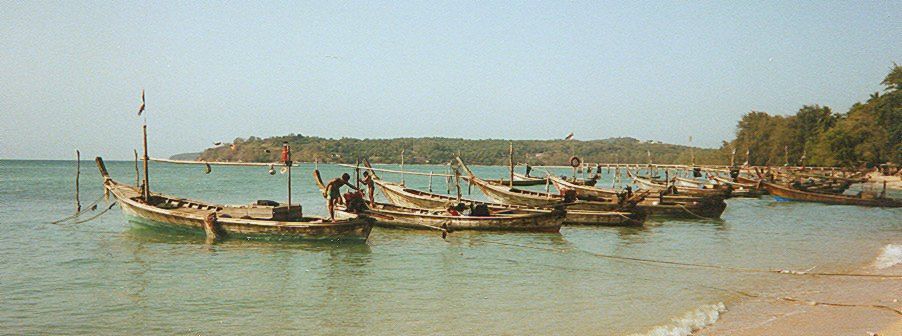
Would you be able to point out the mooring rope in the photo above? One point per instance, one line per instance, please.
(721, 267)
(78, 213)
(801, 301)
(694, 214)
(97, 215)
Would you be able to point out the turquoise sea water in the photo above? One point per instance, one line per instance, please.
(108, 276)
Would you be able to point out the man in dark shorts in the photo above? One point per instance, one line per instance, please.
(333, 192)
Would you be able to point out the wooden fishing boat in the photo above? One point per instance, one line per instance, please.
(519, 180)
(390, 215)
(787, 193)
(403, 196)
(654, 186)
(269, 222)
(393, 216)
(658, 204)
(741, 189)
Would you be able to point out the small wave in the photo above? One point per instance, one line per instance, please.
(692, 321)
(889, 257)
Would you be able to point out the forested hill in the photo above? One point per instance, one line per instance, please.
(869, 133)
(439, 150)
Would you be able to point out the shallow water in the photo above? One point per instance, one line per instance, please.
(108, 276)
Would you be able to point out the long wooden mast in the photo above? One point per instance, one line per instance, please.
(146, 158)
(511, 152)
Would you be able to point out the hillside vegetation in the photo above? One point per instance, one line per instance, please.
(439, 150)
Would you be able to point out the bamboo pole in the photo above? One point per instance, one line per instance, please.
(77, 175)
(288, 162)
(457, 182)
(137, 173)
(357, 172)
(146, 158)
(511, 155)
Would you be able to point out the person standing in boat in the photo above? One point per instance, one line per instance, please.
(333, 192)
(528, 169)
(370, 186)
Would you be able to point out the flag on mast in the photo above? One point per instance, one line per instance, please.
(141, 108)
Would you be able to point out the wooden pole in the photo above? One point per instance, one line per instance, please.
(77, 175)
(146, 159)
(288, 163)
(511, 153)
(137, 173)
(457, 182)
(357, 172)
(430, 181)
(402, 167)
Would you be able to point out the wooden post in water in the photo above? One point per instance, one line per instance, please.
(430, 181)
(146, 159)
(77, 175)
(286, 159)
(511, 153)
(402, 166)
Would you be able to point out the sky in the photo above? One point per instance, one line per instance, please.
(71, 72)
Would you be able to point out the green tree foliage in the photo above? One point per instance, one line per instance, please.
(869, 133)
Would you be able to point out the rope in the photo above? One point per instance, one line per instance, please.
(97, 215)
(721, 267)
(78, 213)
(694, 214)
(808, 302)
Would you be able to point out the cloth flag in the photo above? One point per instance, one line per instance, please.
(141, 108)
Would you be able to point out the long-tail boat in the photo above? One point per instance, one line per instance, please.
(412, 198)
(788, 193)
(272, 221)
(741, 189)
(390, 215)
(519, 180)
(663, 205)
(652, 185)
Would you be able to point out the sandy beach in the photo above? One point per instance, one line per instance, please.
(818, 305)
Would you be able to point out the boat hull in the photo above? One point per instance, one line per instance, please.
(356, 230)
(399, 217)
(786, 193)
(579, 213)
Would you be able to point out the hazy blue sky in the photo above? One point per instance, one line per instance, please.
(72, 72)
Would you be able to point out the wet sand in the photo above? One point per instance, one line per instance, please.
(819, 306)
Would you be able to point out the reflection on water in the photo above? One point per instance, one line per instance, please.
(111, 276)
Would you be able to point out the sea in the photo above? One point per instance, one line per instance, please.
(99, 274)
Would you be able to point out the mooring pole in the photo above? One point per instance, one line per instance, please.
(511, 153)
(77, 175)
(286, 154)
(402, 166)
(146, 159)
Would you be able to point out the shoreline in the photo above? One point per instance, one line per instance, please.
(818, 305)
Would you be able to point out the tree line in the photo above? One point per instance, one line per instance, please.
(870, 133)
